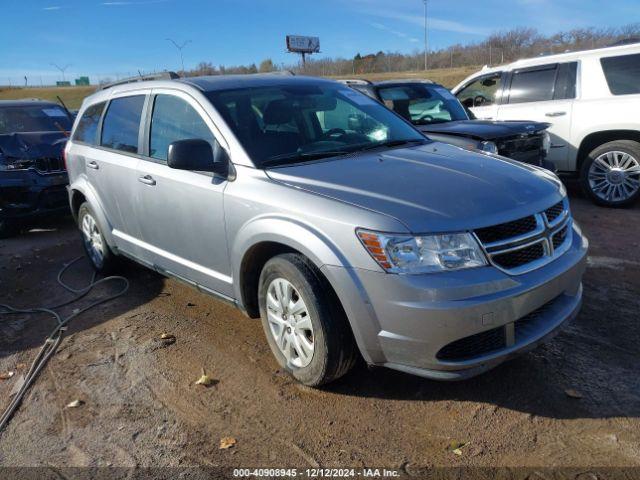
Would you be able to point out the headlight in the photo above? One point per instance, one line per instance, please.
(546, 142)
(489, 147)
(424, 253)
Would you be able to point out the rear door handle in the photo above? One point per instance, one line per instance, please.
(147, 180)
(555, 114)
(93, 165)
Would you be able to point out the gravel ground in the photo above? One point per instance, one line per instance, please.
(142, 408)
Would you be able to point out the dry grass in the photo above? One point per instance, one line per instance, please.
(71, 96)
(449, 77)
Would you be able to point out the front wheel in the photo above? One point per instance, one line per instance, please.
(305, 325)
(610, 174)
(102, 258)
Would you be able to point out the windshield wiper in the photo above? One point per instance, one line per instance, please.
(392, 143)
(299, 156)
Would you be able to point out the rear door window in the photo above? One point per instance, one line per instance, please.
(87, 129)
(174, 119)
(622, 73)
(566, 81)
(533, 84)
(121, 125)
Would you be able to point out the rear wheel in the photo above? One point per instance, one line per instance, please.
(305, 325)
(102, 258)
(610, 174)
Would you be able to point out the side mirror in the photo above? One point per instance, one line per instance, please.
(198, 155)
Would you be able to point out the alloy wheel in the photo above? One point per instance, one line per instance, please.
(93, 240)
(290, 323)
(614, 176)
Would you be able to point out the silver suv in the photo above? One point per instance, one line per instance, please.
(314, 207)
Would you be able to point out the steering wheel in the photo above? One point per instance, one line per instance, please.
(479, 100)
(334, 132)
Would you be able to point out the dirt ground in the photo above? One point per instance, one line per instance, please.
(142, 407)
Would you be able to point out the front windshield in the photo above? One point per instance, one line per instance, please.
(33, 119)
(423, 104)
(301, 122)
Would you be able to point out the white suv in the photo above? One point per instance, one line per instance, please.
(591, 99)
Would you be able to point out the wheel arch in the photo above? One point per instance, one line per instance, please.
(595, 139)
(80, 192)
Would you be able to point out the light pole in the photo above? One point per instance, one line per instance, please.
(426, 42)
(179, 47)
(62, 69)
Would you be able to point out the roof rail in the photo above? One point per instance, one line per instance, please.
(355, 81)
(280, 72)
(141, 78)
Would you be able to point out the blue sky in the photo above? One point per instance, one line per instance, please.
(121, 36)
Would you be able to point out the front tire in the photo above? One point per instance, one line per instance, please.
(304, 323)
(610, 174)
(95, 246)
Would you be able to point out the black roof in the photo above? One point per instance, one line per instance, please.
(27, 102)
(231, 82)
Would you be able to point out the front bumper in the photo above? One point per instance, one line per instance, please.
(406, 321)
(28, 194)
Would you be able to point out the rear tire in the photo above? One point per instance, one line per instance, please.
(95, 246)
(304, 323)
(610, 175)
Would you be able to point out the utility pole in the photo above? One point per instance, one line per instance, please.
(62, 69)
(179, 47)
(426, 41)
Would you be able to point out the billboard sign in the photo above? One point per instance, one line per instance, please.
(302, 44)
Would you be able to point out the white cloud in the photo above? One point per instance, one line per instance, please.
(397, 33)
(54, 7)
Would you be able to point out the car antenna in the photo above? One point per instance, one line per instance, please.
(65, 107)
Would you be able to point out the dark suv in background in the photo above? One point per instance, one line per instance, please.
(33, 177)
(438, 113)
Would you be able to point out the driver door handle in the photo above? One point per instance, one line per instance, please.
(93, 164)
(555, 114)
(147, 180)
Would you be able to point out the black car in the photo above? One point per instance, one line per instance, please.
(437, 112)
(33, 177)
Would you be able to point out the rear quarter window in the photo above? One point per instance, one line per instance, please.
(121, 124)
(622, 73)
(87, 129)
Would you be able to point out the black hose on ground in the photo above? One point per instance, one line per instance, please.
(55, 338)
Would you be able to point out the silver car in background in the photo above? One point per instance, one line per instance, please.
(333, 219)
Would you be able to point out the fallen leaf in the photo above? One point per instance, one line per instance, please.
(75, 404)
(457, 451)
(21, 366)
(227, 442)
(167, 336)
(205, 380)
(570, 392)
(7, 375)
(456, 447)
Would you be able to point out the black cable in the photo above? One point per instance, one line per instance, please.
(55, 338)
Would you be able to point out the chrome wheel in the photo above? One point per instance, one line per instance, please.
(290, 323)
(614, 176)
(93, 240)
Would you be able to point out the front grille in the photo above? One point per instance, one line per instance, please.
(514, 245)
(507, 230)
(559, 238)
(554, 212)
(474, 345)
(49, 164)
(494, 340)
(526, 149)
(520, 257)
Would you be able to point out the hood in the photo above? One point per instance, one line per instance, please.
(32, 145)
(430, 188)
(484, 129)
